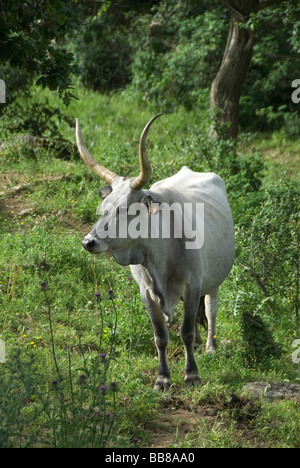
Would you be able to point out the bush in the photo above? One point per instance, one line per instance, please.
(180, 58)
(242, 172)
(273, 243)
(36, 118)
(267, 270)
(104, 54)
(258, 343)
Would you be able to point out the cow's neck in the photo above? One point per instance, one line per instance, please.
(129, 255)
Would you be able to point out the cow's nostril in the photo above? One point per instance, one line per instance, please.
(88, 244)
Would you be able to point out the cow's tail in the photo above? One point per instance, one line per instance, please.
(201, 317)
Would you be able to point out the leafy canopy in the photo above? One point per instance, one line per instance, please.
(32, 38)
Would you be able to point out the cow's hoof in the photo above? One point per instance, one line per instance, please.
(162, 385)
(211, 349)
(192, 381)
(211, 346)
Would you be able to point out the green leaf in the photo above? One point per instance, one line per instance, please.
(66, 99)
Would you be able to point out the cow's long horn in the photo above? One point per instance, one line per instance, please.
(145, 174)
(106, 174)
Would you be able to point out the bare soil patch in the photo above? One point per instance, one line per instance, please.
(176, 419)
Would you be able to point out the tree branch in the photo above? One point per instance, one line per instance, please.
(242, 18)
(19, 188)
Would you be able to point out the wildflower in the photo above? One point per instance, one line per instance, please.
(98, 295)
(103, 356)
(135, 440)
(129, 278)
(114, 386)
(108, 415)
(39, 338)
(103, 388)
(54, 382)
(215, 336)
(44, 286)
(24, 336)
(32, 343)
(82, 378)
(111, 293)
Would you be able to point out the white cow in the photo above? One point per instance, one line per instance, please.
(181, 253)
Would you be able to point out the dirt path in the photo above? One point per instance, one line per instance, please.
(198, 424)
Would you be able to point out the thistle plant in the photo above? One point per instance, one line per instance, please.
(81, 409)
(76, 408)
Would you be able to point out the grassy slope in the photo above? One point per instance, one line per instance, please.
(44, 244)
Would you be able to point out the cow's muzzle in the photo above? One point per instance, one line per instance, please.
(94, 245)
(89, 244)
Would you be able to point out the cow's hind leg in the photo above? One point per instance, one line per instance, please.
(161, 336)
(211, 311)
(187, 331)
(201, 320)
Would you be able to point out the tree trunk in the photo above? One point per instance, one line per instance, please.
(227, 86)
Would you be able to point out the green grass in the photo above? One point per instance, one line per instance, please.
(44, 245)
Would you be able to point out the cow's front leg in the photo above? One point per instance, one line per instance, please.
(211, 311)
(161, 336)
(187, 331)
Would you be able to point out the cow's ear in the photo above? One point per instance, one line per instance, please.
(105, 191)
(151, 204)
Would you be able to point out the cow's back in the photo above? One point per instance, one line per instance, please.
(218, 251)
(192, 184)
